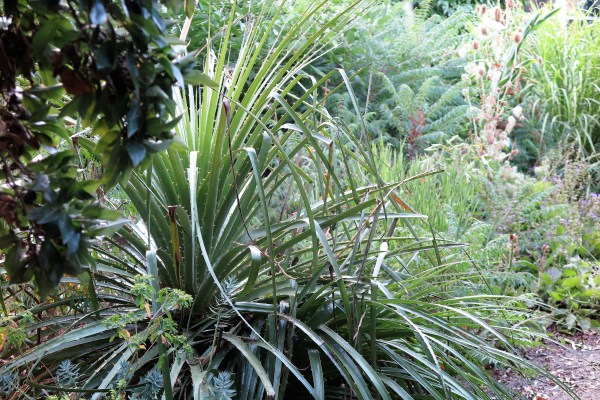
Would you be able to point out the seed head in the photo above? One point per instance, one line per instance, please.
(498, 14)
(517, 38)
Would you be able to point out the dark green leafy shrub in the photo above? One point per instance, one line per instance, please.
(70, 65)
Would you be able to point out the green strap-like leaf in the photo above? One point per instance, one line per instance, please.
(359, 359)
(254, 361)
(317, 372)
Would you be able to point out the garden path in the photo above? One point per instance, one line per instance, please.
(576, 361)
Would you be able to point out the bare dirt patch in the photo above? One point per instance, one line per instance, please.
(574, 359)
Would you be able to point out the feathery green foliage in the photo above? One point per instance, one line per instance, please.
(406, 74)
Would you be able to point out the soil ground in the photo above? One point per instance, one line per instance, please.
(574, 359)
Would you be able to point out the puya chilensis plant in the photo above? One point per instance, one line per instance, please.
(218, 180)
